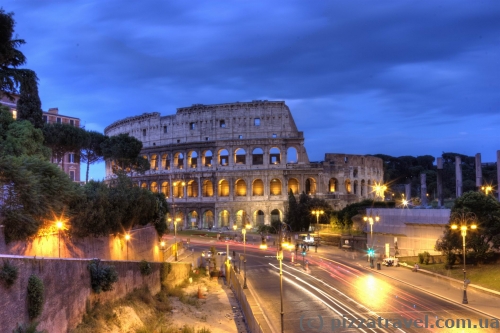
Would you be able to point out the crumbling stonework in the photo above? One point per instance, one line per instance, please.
(235, 163)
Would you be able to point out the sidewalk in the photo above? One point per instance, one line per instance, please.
(480, 299)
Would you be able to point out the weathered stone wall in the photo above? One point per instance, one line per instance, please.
(143, 244)
(67, 290)
(179, 272)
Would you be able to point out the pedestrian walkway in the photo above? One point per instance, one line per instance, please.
(483, 300)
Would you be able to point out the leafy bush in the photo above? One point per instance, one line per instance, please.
(35, 296)
(102, 277)
(8, 273)
(427, 257)
(145, 268)
(420, 258)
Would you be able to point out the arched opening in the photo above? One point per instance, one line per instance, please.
(257, 187)
(258, 217)
(223, 157)
(208, 220)
(208, 188)
(193, 219)
(362, 189)
(241, 218)
(274, 156)
(154, 162)
(240, 188)
(348, 186)
(275, 187)
(240, 156)
(223, 188)
(332, 185)
(192, 189)
(144, 185)
(310, 186)
(192, 159)
(257, 156)
(178, 188)
(207, 158)
(179, 217)
(224, 218)
(154, 187)
(355, 173)
(293, 184)
(165, 162)
(291, 155)
(179, 160)
(369, 188)
(355, 187)
(275, 215)
(165, 189)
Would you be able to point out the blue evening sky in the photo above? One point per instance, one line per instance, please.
(360, 77)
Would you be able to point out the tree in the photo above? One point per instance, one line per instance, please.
(63, 139)
(22, 138)
(291, 217)
(29, 106)
(91, 151)
(448, 245)
(123, 151)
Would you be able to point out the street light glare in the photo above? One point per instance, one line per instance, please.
(454, 227)
(127, 237)
(59, 225)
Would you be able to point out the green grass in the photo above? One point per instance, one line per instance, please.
(487, 276)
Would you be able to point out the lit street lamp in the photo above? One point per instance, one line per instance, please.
(467, 221)
(370, 219)
(59, 225)
(127, 238)
(175, 236)
(487, 189)
(244, 232)
(162, 246)
(317, 213)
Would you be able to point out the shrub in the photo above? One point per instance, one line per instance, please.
(102, 277)
(145, 268)
(427, 257)
(420, 258)
(35, 296)
(8, 273)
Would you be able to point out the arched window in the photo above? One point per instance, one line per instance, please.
(258, 217)
(223, 188)
(291, 155)
(293, 184)
(192, 189)
(355, 173)
(223, 157)
(179, 160)
(241, 218)
(207, 158)
(363, 187)
(275, 187)
(275, 215)
(332, 185)
(348, 186)
(165, 189)
(154, 187)
(178, 188)
(154, 162)
(144, 185)
(224, 218)
(192, 159)
(310, 186)
(257, 187)
(208, 220)
(208, 188)
(274, 156)
(165, 162)
(192, 219)
(257, 156)
(240, 188)
(355, 187)
(240, 156)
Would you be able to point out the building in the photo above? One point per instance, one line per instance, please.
(71, 163)
(235, 163)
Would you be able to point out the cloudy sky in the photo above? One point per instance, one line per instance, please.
(360, 77)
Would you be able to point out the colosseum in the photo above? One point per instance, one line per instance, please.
(235, 163)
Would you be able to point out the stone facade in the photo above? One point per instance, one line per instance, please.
(227, 164)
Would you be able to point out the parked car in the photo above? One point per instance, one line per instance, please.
(221, 253)
(206, 253)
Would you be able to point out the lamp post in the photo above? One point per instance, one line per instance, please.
(162, 246)
(467, 221)
(370, 219)
(127, 238)
(175, 236)
(244, 232)
(487, 189)
(317, 212)
(59, 225)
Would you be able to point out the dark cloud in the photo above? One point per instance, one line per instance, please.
(388, 77)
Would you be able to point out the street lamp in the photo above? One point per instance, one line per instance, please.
(317, 213)
(127, 238)
(467, 221)
(487, 189)
(370, 219)
(59, 225)
(175, 236)
(244, 232)
(162, 246)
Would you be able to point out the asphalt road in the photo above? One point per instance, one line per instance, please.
(340, 296)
